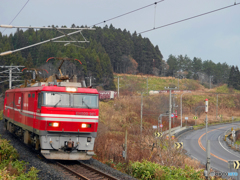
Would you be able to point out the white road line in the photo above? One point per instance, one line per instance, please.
(225, 148)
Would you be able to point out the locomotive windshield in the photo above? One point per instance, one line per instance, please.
(56, 99)
(83, 101)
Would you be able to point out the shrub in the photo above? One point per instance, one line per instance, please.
(10, 167)
(147, 170)
(7, 151)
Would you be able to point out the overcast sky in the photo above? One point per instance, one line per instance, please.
(213, 37)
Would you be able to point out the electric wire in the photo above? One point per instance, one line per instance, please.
(16, 15)
(189, 18)
(128, 13)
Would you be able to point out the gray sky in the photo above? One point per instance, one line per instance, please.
(213, 37)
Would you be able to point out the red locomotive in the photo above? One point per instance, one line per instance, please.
(58, 118)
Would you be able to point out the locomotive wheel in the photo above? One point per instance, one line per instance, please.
(37, 143)
(26, 137)
(10, 127)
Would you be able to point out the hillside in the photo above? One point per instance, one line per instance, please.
(228, 104)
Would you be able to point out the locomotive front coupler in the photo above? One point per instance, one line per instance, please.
(69, 146)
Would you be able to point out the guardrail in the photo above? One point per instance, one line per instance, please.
(177, 131)
(172, 130)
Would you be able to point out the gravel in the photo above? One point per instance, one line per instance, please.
(48, 169)
(105, 168)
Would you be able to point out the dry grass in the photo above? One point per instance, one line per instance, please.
(119, 115)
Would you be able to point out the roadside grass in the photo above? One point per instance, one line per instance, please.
(203, 125)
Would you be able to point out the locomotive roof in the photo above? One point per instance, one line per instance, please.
(53, 88)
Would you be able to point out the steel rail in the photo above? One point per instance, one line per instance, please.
(98, 171)
(72, 171)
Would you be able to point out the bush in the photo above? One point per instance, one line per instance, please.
(10, 167)
(18, 174)
(147, 170)
(7, 151)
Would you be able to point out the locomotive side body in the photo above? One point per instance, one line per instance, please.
(61, 121)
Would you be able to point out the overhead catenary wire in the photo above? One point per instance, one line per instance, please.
(128, 13)
(186, 19)
(17, 14)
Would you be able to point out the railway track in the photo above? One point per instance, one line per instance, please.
(85, 172)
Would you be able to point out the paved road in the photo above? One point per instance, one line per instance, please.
(195, 144)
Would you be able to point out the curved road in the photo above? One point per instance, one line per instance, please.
(195, 144)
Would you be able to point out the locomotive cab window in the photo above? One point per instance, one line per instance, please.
(39, 100)
(55, 99)
(85, 101)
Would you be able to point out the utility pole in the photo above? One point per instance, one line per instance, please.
(207, 142)
(126, 145)
(178, 80)
(208, 160)
(118, 86)
(217, 108)
(10, 78)
(173, 106)
(206, 111)
(170, 136)
(141, 112)
(210, 81)
(147, 85)
(170, 106)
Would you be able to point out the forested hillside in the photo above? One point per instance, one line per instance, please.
(110, 50)
(234, 78)
(196, 68)
(129, 53)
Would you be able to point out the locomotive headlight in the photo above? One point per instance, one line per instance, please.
(86, 125)
(55, 124)
(71, 89)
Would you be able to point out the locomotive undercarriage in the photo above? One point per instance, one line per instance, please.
(26, 136)
(67, 146)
